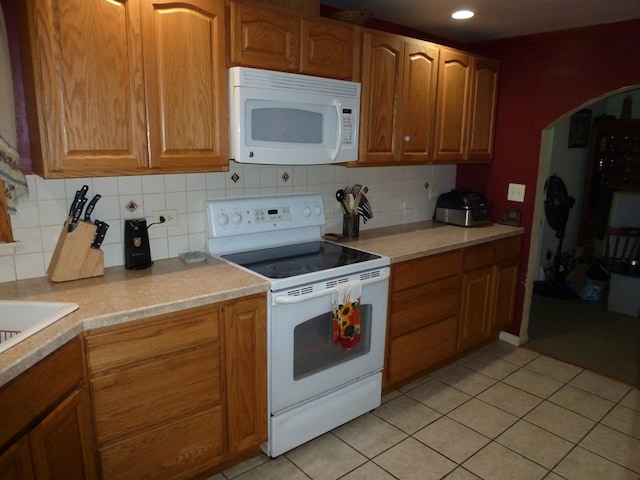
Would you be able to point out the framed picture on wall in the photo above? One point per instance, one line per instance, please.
(579, 129)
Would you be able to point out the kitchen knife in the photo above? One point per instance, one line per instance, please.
(76, 214)
(101, 231)
(90, 206)
(79, 194)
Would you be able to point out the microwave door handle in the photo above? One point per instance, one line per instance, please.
(289, 299)
(339, 145)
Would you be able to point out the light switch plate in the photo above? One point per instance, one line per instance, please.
(516, 192)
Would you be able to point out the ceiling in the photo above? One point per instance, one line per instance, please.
(494, 19)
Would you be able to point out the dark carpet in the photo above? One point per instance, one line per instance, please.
(586, 335)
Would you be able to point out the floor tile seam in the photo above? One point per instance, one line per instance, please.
(297, 467)
(510, 449)
(377, 454)
(362, 465)
(578, 413)
(601, 421)
(597, 454)
(573, 446)
(561, 380)
(630, 437)
(600, 396)
(373, 412)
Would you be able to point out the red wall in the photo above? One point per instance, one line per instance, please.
(541, 78)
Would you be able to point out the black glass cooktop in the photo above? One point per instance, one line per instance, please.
(298, 259)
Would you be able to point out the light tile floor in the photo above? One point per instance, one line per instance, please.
(501, 413)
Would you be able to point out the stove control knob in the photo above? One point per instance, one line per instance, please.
(236, 218)
(223, 219)
(306, 211)
(317, 211)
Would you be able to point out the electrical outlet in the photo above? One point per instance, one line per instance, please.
(170, 217)
(516, 192)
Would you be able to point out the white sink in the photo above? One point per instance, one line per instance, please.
(20, 320)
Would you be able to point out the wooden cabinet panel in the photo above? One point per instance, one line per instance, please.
(25, 399)
(264, 38)
(178, 450)
(418, 307)
(381, 87)
(186, 84)
(62, 444)
(483, 108)
(421, 349)
(126, 87)
(425, 269)
(399, 78)
(246, 373)
(15, 463)
(138, 341)
(476, 307)
(479, 256)
(83, 60)
(417, 112)
(143, 396)
(508, 248)
(452, 110)
(505, 278)
(329, 48)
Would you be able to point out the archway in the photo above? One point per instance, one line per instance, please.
(544, 171)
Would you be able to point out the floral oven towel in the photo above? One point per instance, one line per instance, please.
(346, 315)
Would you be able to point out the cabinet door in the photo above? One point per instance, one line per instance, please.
(381, 84)
(417, 112)
(476, 307)
(62, 444)
(328, 48)
(186, 84)
(452, 108)
(264, 38)
(505, 284)
(245, 332)
(83, 60)
(15, 463)
(483, 109)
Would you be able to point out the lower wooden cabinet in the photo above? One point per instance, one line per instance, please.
(178, 395)
(423, 315)
(45, 418)
(489, 286)
(445, 304)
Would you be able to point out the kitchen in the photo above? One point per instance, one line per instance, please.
(191, 189)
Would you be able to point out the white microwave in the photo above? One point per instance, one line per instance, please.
(290, 119)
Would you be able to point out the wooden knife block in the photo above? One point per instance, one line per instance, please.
(73, 257)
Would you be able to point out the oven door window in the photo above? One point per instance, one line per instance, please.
(314, 349)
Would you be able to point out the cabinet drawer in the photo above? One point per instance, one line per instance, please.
(141, 397)
(418, 307)
(417, 351)
(138, 341)
(426, 269)
(508, 248)
(176, 450)
(479, 256)
(44, 384)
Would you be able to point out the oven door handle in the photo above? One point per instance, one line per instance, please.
(289, 299)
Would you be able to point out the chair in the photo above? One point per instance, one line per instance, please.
(619, 241)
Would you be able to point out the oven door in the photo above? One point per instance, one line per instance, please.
(304, 360)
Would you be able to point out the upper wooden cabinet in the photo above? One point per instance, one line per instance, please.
(465, 109)
(399, 77)
(125, 87)
(277, 39)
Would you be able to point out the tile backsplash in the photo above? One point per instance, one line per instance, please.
(397, 195)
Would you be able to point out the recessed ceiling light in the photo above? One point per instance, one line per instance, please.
(462, 14)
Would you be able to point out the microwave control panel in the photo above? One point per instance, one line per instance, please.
(347, 127)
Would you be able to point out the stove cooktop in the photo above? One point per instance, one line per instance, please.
(299, 259)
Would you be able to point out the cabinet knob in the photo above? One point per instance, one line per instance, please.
(407, 138)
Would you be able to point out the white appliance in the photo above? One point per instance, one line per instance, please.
(314, 382)
(289, 119)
